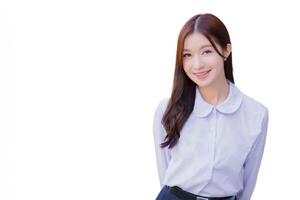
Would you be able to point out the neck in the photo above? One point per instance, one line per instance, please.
(215, 93)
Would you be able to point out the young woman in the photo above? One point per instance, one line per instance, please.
(209, 136)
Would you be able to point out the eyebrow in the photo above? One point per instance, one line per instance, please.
(207, 45)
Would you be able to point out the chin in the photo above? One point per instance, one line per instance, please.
(204, 83)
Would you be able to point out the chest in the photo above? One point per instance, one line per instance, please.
(217, 138)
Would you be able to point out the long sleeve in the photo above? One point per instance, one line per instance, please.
(253, 161)
(162, 154)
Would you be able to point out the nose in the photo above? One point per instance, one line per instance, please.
(198, 62)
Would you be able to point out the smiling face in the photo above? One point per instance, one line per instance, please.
(201, 62)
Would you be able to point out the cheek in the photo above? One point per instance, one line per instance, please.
(216, 63)
(213, 60)
(186, 67)
(187, 70)
(186, 64)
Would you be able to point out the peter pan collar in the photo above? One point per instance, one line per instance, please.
(229, 105)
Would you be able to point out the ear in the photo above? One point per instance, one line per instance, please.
(227, 50)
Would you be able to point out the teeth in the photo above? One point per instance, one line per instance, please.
(202, 73)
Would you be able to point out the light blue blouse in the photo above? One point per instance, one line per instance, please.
(220, 147)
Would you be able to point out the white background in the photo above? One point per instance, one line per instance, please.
(79, 82)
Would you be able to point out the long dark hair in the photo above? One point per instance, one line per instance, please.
(181, 102)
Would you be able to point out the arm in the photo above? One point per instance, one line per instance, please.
(253, 161)
(162, 154)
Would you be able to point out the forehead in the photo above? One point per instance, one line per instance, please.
(195, 41)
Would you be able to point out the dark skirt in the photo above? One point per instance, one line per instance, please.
(165, 194)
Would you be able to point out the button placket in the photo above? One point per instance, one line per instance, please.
(212, 138)
(214, 132)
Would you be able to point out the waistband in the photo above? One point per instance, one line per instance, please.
(184, 195)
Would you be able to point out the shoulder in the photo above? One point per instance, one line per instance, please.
(254, 106)
(256, 110)
(254, 115)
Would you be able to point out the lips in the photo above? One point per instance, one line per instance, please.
(202, 75)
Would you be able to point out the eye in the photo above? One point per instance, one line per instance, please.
(207, 52)
(186, 55)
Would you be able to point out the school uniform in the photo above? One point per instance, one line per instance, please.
(219, 151)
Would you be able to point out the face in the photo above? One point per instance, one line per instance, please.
(201, 62)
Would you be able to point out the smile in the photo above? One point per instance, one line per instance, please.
(202, 75)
